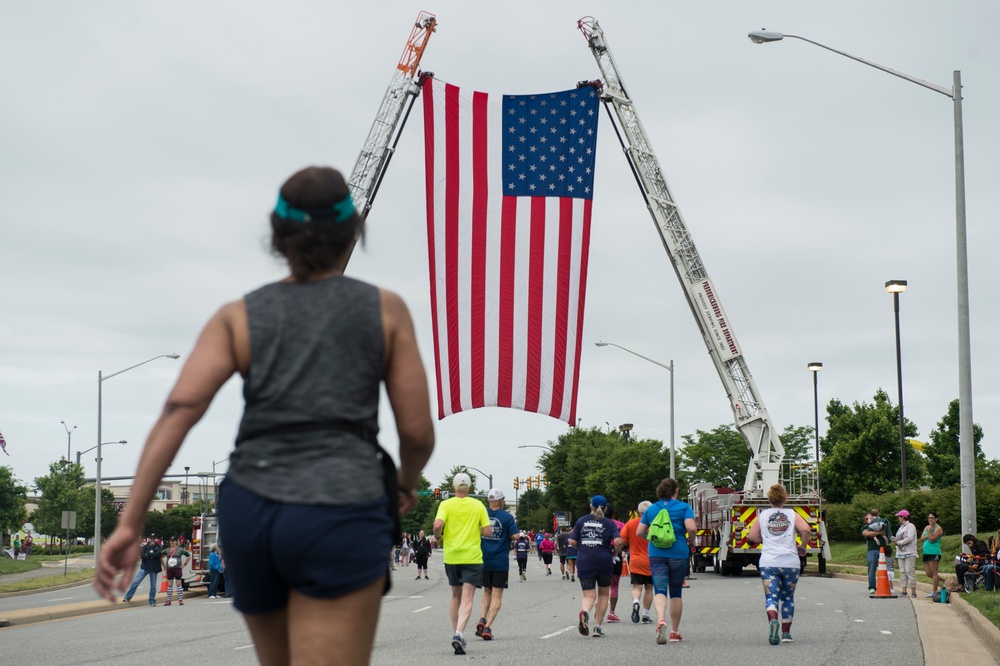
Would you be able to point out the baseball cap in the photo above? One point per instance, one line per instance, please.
(462, 480)
(598, 501)
(904, 513)
(495, 495)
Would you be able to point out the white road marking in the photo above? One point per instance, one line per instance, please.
(62, 599)
(859, 620)
(556, 633)
(886, 632)
(422, 609)
(404, 597)
(245, 647)
(838, 611)
(819, 603)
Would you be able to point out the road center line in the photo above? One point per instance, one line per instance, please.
(422, 609)
(244, 647)
(556, 633)
(886, 632)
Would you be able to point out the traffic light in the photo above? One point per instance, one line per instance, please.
(545, 480)
(538, 481)
(517, 483)
(527, 482)
(437, 493)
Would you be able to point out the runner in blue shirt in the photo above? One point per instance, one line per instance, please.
(496, 561)
(521, 549)
(597, 541)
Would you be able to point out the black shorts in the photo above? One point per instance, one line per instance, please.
(932, 558)
(175, 573)
(616, 568)
(641, 579)
(460, 574)
(547, 558)
(496, 579)
(421, 561)
(591, 583)
(260, 564)
(562, 559)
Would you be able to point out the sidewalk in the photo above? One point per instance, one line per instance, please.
(59, 611)
(950, 633)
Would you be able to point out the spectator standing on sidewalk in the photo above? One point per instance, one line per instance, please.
(421, 552)
(906, 552)
(214, 571)
(930, 538)
(175, 557)
(150, 565)
(459, 526)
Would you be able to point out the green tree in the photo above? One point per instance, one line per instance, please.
(13, 496)
(587, 462)
(62, 490)
(719, 457)
(799, 443)
(424, 510)
(944, 448)
(861, 450)
(449, 480)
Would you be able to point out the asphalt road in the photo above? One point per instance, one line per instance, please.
(724, 623)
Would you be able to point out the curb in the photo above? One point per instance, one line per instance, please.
(35, 615)
(54, 588)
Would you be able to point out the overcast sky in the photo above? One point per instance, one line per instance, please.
(141, 146)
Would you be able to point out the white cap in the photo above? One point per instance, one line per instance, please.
(495, 495)
(462, 480)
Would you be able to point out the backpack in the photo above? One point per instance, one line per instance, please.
(661, 531)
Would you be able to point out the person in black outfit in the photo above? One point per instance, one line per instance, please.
(979, 558)
(150, 555)
(421, 551)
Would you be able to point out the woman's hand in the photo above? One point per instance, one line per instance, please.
(119, 554)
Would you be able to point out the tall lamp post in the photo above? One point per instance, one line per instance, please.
(80, 453)
(967, 452)
(814, 368)
(896, 287)
(101, 378)
(69, 438)
(670, 367)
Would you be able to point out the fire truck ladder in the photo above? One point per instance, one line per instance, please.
(751, 416)
(380, 145)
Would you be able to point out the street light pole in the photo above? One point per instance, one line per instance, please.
(69, 438)
(80, 453)
(670, 367)
(965, 428)
(814, 368)
(896, 287)
(101, 378)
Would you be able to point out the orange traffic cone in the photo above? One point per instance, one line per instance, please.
(163, 584)
(882, 588)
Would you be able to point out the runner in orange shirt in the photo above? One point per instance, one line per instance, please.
(638, 564)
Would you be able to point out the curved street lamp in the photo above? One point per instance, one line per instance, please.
(965, 424)
(80, 453)
(673, 469)
(101, 378)
(69, 438)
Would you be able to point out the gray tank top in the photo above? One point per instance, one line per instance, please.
(316, 360)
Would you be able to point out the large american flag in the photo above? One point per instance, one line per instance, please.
(510, 181)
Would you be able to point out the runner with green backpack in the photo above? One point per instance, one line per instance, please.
(669, 527)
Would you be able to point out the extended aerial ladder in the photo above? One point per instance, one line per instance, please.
(751, 416)
(381, 143)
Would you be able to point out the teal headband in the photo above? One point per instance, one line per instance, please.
(339, 212)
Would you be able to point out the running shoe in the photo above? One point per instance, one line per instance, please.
(613, 618)
(787, 638)
(774, 632)
(914, 595)
(647, 620)
(871, 592)
(426, 578)
(458, 643)
(180, 603)
(635, 612)
(598, 632)
(167, 603)
(572, 579)
(487, 634)
(480, 626)
(582, 626)
(661, 633)
(675, 637)
(417, 578)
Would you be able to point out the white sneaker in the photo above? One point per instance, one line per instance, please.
(212, 596)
